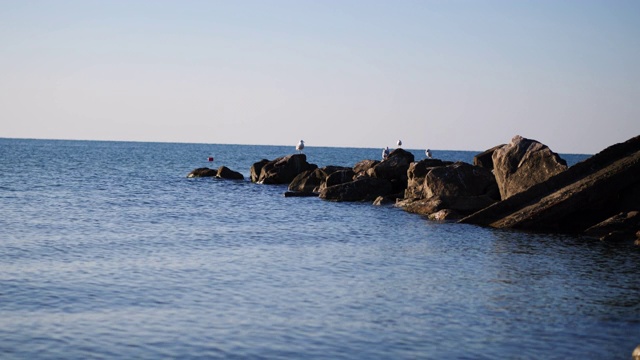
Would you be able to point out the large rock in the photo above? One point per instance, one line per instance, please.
(226, 173)
(284, 169)
(585, 195)
(460, 180)
(314, 180)
(393, 167)
(202, 172)
(416, 175)
(362, 189)
(523, 163)
(338, 177)
(361, 168)
(307, 181)
(256, 169)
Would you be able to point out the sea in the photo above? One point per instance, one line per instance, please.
(109, 251)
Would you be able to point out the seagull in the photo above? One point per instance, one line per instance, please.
(399, 143)
(385, 153)
(300, 146)
(428, 153)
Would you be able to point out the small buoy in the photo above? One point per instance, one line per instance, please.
(210, 158)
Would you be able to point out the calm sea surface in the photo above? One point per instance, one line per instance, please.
(107, 251)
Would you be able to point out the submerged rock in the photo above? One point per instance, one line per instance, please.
(202, 172)
(226, 173)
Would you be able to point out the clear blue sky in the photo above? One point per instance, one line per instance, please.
(451, 75)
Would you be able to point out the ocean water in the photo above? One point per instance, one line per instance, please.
(108, 251)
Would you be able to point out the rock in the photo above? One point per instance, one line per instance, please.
(393, 167)
(485, 158)
(445, 214)
(415, 177)
(422, 206)
(458, 180)
(386, 200)
(202, 172)
(363, 189)
(636, 353)
(226, 173)
(624, 224)
(256, 168)
(284, 169)
(575, 200)
(524, 163)
(363, 166)
(307, 181)
(338, 177)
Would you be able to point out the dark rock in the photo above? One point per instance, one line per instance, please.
(620, 226)
(485, 158)
(284, 169)
(460, 180)
(363, 166)
(338, 177)
(226, 173)
(308, 181)
(256, 168)
(202, 172)
(445, 215)
(523, 163)
(363, 189)
(416, 175)
(422, 206)
(575, 200)
(393, 167)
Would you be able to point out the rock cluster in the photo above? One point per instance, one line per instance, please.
(522, 184)
(599, 196)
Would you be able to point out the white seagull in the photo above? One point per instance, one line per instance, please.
(399, 143)
(428, 153)
(300, 146)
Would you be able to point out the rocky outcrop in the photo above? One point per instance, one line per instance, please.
(202, 172)
(586, 198)
(283, 169)
(362, 189)
(226, 173)
(523, 163)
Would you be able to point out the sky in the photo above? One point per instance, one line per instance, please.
(446, 75)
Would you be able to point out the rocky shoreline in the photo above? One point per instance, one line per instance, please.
(520, 185)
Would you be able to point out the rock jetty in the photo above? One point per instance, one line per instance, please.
(521, 185)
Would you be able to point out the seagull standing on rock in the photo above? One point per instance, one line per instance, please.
(300, 146)
(385, 153)
(399, 143)
(428, 153)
